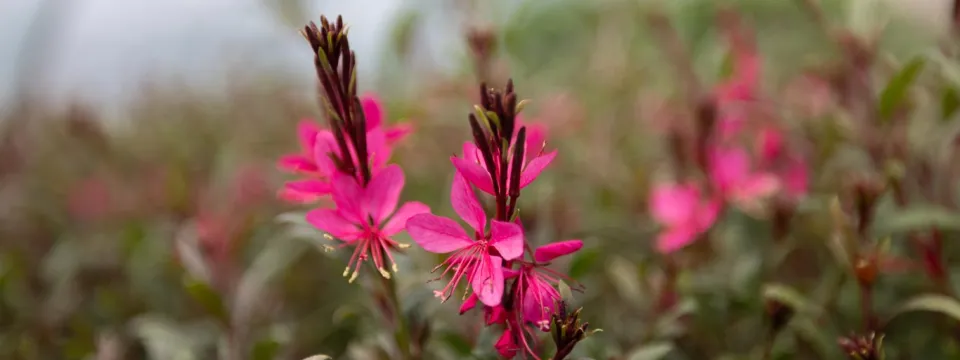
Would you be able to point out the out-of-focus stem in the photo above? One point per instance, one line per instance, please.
(401, 333)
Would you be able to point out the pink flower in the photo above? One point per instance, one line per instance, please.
(480, 258)
(317, 145)
(732, 175)
(374, 116)
(536, 285)
(683, 213)
(473, 167)
(360, 219)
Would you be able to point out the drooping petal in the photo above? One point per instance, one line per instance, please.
(474, 173)
(487, 280)
(506, 345)
(347, 195)
(372, 110)
(307, 131)
(397, 132)
(674, 239)
(554, 250)
(331, 222)
(466, 205)
(539, 302)
(296, 164)
(494, 315)
(507, 238)
(399, 219)
(535, 167)
(437, 234)
(382, 193)
(468, 304)
(673, 204)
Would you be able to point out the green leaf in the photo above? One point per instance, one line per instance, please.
(583, 262)
(652, 351)
(896, 90)
(565, 293)
(921, 217)
(265, 350)
(457, 343)
(949, 102)
(790, 297)
(207, 297)
(932, 302)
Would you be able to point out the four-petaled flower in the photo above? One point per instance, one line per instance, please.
(361, 217)
(537, 285)
(480, 258)
(474, 168)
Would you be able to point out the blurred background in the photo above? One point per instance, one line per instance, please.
(137, 180)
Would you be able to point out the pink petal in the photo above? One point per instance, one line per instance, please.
(674, 239)
(316, 187)
(507, 238)
(506, 346)
(756, 187)
(673, 204)
(398, 132)
(707, 214)
(487, 280)
(539, 303)
(399, 219)
(331, 222)
(307, 131)
(295, 197)
(468, 304)
(466, 205)
(383, 192)
(347, 195)
(509, 273)
(296, 164)
(494, 315)
(771, 144)
(728, 167)
(554, 250)
(325, 147)
(372, 110)
(533, 169)
(437, 234)
(377, 149)
(474, 173)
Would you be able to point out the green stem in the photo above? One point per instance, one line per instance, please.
(400, 334)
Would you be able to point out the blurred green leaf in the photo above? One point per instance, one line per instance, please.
(583, 262)
(457, 343)
(896, 90)
(949, 102)
(265, 350)
(932, 302)
(920, 217)
(319, 357)
(790, 297)
(652, 351)
(207, 297)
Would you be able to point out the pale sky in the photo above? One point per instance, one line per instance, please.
(106, 46)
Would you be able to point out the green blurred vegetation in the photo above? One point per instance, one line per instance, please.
(100, 256)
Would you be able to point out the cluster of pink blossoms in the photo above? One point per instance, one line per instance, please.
(349, 161)
(512, 281)
(739, 173)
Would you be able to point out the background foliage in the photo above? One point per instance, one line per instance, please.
(103, 227)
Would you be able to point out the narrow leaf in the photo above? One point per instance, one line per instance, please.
(206, 297)
(896, 90)
(933, 303)
(922, 217)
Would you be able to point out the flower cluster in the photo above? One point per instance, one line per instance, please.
(747, 165)
(348, 162)
(511, 280)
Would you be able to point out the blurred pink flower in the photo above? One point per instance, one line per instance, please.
(732, 175)
(472, 166)
(684, 214)
(360, 219)
(480, 258)
(317, 144)
(91, 200)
